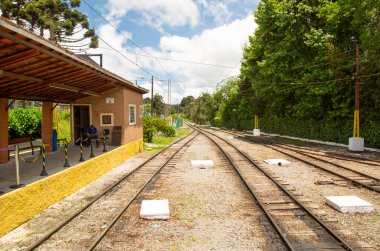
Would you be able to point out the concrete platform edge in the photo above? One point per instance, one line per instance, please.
(23, 204)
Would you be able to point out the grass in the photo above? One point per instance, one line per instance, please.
(162, 142)
(63, 124)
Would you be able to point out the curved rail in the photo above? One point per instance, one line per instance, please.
(354, 159)
(373, 187)
(282, 235)
(47, 236)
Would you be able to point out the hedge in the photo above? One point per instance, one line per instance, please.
(338, 131)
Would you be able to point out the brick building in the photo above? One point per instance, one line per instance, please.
(118, 110)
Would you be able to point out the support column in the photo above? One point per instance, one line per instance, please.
(3, 130)
(47, 125)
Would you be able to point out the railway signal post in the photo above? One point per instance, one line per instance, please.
(356, 143)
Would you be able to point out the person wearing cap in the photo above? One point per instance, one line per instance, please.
(92, 133)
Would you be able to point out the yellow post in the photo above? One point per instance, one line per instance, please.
(256, 121)
(56, 119)
(356, 133)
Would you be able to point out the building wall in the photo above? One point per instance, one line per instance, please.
(120, 110)
(132, 132)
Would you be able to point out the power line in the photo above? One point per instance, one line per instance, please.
(147, 53)
(126, 57)
(131, 41)
(181, 61)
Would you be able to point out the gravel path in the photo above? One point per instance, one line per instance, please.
(210, 210)
(301, 177)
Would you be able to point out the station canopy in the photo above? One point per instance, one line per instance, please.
(34, 68)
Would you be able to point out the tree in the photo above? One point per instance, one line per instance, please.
(185, 105)
(186, 101)
(146, 100)
(57, 17)
(158, 104)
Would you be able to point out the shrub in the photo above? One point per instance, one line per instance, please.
(169, 131)
(152, 125)
(24, 123)
(338, 130)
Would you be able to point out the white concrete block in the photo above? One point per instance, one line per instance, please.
(155, 209)
(349, 204)
(279, 162)
(202, 164)
(256, 132)
(356, 144)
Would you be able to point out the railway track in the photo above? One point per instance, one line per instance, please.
(297, 226)
(355, 159)
(347, 174)
(123, 192)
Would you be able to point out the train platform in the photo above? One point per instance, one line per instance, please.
(30, 172)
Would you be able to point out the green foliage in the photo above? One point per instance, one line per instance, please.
(64, 125)
(158, 104)
(297, 73)
(169, 131)
(154, 125)
(56, 16)
(24, 123)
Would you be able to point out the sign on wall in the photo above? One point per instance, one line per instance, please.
(110, 100)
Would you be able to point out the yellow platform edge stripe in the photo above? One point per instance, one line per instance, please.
(21, 205)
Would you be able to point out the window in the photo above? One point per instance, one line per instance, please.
(106, 119)
(132, 114)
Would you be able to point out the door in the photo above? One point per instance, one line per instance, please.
(81, 120)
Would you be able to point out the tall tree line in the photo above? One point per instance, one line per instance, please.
(298, 71)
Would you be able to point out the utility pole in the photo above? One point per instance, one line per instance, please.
(356, 143)
(256, 130)
(151, 100)
(169, 93)
(357, 93)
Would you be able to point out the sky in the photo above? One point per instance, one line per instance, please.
(141, 38)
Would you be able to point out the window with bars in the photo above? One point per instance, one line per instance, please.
(132, 114)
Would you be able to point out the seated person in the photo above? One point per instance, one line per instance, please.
(92, 133)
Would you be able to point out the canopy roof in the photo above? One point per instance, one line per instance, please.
(34, 68)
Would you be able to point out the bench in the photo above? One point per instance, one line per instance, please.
(24, 143)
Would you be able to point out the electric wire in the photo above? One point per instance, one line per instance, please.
(144, 70)
(131, 41)
(178, 60)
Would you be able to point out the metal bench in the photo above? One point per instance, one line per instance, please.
(23, 143)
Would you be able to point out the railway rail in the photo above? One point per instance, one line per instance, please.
(348, 174)
(122, 191)
(355, 159)
(297, 226)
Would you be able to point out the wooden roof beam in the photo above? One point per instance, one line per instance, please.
(35, 98)
(74, 89)
(66, 76)
(17, 57)
(19, 76)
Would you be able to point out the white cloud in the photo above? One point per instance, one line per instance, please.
(157, 13)
(221, 45)
(216, 9)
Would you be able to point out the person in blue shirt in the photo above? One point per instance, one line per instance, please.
(92, 133)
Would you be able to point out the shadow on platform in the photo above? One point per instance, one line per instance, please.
(30, 172)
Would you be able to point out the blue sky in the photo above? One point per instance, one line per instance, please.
(206, 31)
